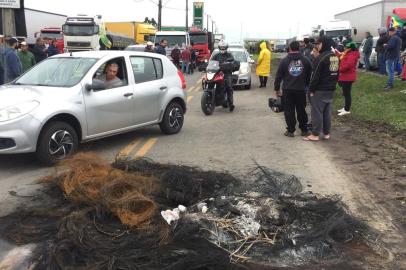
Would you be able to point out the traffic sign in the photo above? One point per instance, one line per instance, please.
(198, 11)
(10, 4)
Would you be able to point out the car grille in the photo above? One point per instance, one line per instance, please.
(6, 143)
(78, 44)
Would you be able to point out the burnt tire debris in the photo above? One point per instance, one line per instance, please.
(107, 216)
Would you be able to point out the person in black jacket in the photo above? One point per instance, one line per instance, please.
(294, 72)
(39, 50)
(322, 86)
(380, 49)
(225, 57)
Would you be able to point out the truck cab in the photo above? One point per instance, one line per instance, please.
(180, 38)
(337, 28)
(50, 33)
(81, 33)
(203, 43)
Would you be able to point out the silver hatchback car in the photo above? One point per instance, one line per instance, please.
(83, 96)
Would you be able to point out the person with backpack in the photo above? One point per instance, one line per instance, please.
(175, 55)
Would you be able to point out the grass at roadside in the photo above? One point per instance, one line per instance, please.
(371, 103)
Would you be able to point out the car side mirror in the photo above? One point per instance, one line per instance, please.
(96, 85)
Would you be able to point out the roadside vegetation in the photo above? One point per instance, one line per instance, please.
(371, 103)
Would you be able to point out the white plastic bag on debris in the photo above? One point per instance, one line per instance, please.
(174, 214)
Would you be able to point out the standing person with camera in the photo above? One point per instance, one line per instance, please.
(294, 73)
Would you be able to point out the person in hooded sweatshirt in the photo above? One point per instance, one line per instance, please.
(321, 89)
(264, 64)
(294, 73)
(348, 73)
(12, 63)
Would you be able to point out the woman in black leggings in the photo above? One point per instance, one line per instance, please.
(348, 73)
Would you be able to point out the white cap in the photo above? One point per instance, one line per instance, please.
(23, 43)
(149, 43)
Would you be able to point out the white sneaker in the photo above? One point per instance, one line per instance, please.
(343, 113)
(341, 110)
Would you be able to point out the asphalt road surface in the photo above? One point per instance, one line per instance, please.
(226, 141)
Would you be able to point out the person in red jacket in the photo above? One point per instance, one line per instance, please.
(348, 73)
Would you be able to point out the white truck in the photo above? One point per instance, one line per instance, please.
(370, 17)
(180, 38)
(88, 33)
(335, 29)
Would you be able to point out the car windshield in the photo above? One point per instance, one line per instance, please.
(240, 56)
(337, 33)
(80, 30)
(50, 35)
(198, 39)
(172, 40)
(57, 72)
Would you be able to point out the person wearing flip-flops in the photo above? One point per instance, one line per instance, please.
(322, 86)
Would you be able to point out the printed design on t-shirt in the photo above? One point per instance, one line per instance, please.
(334, 63)
(295, 68)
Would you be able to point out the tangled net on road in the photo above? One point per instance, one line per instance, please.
(101, 216)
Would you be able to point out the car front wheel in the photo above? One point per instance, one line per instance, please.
(172, 121)
(57, 141)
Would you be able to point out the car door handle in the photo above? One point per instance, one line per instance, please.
(162, 88)
(128, 95)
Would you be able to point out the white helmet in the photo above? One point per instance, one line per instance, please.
(223, 46)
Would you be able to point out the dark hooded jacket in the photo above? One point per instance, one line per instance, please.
(325, 68)
(294, 71)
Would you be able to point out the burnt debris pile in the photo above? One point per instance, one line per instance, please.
(100, 216)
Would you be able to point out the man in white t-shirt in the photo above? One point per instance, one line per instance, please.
(110, 78)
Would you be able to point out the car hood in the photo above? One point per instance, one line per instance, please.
(15, 94)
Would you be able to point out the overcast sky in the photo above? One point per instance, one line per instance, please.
(252, 18)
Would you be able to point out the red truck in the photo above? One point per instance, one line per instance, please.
(203, 43)
(50, 33)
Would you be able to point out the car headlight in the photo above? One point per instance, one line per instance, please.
(17, 110)
(244, 70)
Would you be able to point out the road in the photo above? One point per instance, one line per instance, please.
(225, 141)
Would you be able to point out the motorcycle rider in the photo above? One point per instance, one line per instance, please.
(225, 57)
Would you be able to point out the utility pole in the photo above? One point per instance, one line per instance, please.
(212, 26)
(9, 26)
(159, 15)
(187, 14)
(207, 22)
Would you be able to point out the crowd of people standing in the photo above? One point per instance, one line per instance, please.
(16, 57)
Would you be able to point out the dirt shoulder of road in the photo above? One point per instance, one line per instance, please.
(374, 157)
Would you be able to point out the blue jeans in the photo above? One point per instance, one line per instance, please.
(185, 67)
(399, 66)
(366, 61)
(382, 63)
(390, 69)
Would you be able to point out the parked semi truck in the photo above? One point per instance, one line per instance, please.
(180, 38)
(203, 43)
(87, 33)
(370, 17)
(38, 21)
(50, 33)
(335, 29)
(140, 32)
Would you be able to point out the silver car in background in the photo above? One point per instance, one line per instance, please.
(59, 103)
(241, 78)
